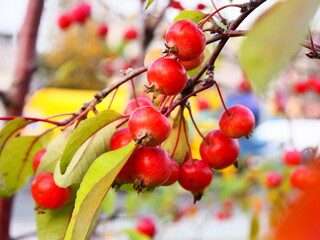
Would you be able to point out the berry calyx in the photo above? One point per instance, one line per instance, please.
(47, 194)
(195, 176)
(37, 159)
(219, 150)
(146, 226)
(167, 76)
(150, 167)
(135, 103)
(292, 157)
(273, 179)
(148, 127)
(174, 173)
(185, 40)
(237, 121)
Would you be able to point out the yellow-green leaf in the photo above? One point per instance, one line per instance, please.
(274, 39)
(83, 132)
(192, 15)
(93, 189)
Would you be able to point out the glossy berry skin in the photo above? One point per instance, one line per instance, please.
(47, 194)
(102, 30)
(185, 39)
(64, 21)
(120, 138)
(301, 87)
(130, 34)
(273, 179)
(193, 63)
(148, 127)
(292, 157)
(146, 226)
(195, 176)
(167, 76)
(221, 151)
(37, 159)
(174, 173)
(238, 122)
(301, 177)
(150, 167)
(135, 103)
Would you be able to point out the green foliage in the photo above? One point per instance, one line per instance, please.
(149, 3)
(274, 39)
(16, 161)
(176, 144)
(192, 15)
(254, 227)
(11, 129)
(93, 189)
(84, 157)
(83, 132)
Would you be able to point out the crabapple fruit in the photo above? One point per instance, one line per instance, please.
(167, 76)
(47, 194)
(120, 138)
(292, 157)
(273, 179)
(174, 173)
(193, 63)
(148, 127)
(195, 176)
(37, 158)
(237, 121)
(185, 40)
(135, 103)
(64, 21)
(219, 150)
(146, 226)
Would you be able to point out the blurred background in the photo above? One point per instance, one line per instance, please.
(77, 60)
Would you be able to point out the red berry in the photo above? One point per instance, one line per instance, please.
(193, 63)
(174, 173)
(301, 87)
(167, 76)
(292, 157)
(64, 21)
(245, 86)
(81, 12)
(148, 127)
(130, 34)
(201, 6)
(47, 194)
(203, 104)
(273, 179)
(237, 122)
(185, 39)
(176, 5)
(146, 226)
(102, 30)
(150, 167)
(219, 151)
(314, 83)
(120, 138)
(302, 177)
(135, 103)
(37, 159)
(195, 176)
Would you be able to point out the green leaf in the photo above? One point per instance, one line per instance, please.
(135, 235)
(93, 189)
(109, 202)
(274, 39)
(11, 129)
(83, 132)
(192, 15)
(65, 69)
(53, 223)
(176, 144)
(16, 161)
(54, 152)
(149, 3)
(84, 157)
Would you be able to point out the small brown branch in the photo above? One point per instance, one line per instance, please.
(5, 98)
(8, 118)
(227, 34)
(315, 49)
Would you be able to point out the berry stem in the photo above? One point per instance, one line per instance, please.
(221, 98)
(134, 91)
(113, 96)
(222, 19)
(32, 119)
(59, 115)
(195, 125)
(79, 117)
(178, 137)
(200, 25)
(187, 139)
(163, 103)
(124, 121)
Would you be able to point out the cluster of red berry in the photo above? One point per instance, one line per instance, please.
(312, 84)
